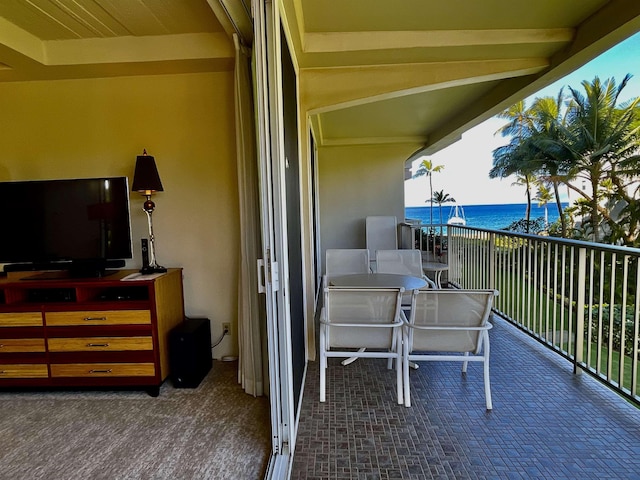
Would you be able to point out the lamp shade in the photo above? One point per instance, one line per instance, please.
(146, 177)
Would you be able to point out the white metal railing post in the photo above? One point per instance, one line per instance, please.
(492, 260)
(454, 255)
(407, 236)
(636, 332)
(623, 317)
(415, 239)
(451, 255)
(580, 307)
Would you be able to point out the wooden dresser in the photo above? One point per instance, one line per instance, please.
(65, 332)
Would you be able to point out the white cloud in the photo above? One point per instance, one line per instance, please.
(466, 171)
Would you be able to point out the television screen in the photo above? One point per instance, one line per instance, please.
(65, 220)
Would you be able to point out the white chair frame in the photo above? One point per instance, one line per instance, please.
(376, 332)
(345, 261)
(459, 334)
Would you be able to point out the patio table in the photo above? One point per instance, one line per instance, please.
(383, 280)
(437, 268)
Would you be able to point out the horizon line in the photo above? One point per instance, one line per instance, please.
(480, 204)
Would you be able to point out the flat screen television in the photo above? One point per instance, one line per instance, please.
(80, 226)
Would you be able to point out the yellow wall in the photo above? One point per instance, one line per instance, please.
(96, 127)
(355, 182)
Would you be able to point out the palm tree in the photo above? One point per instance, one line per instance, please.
(588, 138)
(603, 137)
(544, 196)
(515, 158)
(526, 179)
(519, 117)
(440, 197)
(428, 168)
(552, 157)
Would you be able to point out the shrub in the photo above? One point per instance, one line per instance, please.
(616, 334)
(520, 226)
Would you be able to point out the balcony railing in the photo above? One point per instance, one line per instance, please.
(580, 299)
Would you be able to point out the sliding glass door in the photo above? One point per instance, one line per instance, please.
(281, 265)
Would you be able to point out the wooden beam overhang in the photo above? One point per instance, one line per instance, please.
(326, 42)
(327, 89)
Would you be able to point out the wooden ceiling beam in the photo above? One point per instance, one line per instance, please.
(327, 89)
(139, 49)
(326, 42)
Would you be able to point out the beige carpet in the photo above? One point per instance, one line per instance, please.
(215, 431)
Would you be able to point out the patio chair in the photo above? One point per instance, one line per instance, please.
(404, 262)
(343, 261)
(361, 323)
(448, 325)
(381, 234)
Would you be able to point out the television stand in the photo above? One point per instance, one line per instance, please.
(90, 268)
(68, 274)
(92, 332)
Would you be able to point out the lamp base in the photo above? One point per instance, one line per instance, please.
(148, 270)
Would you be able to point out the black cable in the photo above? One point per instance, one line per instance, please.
(219, 340)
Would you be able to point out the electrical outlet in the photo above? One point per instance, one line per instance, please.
(226, 328)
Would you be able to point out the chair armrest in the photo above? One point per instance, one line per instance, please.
(430, 283)
(488, 326)
(363, 324)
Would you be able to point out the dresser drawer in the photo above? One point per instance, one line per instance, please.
(103, 370)
(24, 371)
(21, 319)
(21, 345)
(99, 317)
(99, 344)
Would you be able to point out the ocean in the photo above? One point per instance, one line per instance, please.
(485, 216)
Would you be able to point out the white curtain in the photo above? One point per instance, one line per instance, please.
(251, 311)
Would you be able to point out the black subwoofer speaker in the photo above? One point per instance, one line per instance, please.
(190, 352)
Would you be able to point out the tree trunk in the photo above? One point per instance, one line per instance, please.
(595, 214)
(431, 200)
(528, 212)
(563, 221)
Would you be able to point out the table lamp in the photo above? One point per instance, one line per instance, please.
(146, 180)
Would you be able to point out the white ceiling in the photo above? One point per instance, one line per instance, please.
(377, 71)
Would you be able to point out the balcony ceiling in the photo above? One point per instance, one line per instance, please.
(424, 71)
(60, 39)
(371, 71)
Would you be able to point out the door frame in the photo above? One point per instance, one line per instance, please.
(273, 267)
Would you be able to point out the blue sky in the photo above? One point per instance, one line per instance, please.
(467, 162)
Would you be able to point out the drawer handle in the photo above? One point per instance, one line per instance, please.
(97, 344)
(101, 371)
(1, 345)
(2, 372)
(90, 319)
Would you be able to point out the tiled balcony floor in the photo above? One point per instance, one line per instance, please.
(546, 422)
